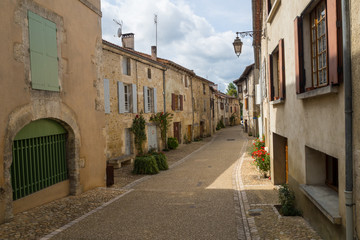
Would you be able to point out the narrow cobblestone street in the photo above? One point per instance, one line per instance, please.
(212, 192)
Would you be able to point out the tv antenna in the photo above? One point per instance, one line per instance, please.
(155, 21)
(119, 31)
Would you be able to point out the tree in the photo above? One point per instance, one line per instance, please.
(162, 120)
(138, 128)
(231, 90)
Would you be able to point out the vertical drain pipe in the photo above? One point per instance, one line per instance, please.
(348, 118)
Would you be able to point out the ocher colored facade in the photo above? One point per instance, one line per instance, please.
(202, 114)
(143, 72)
(74, 102)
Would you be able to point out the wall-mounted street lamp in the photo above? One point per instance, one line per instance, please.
(238, 43)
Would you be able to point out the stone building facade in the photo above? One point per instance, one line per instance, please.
(202, 110)
(178, 100)
(246, 85)
(300, 64)
(52, 121)
(133, 84)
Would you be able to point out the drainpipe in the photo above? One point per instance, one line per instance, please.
(164, 98)
(164, 91)
(192, 109)
(348, 119)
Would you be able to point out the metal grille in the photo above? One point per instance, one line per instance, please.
(38, 163)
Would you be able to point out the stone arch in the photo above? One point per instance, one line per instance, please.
(40, 109)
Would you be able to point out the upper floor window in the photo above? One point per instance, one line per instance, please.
(149, 73)
(316, 63)
(43, 53)
(318, 46)
(149, 100)
(127, 96)
(204, 88)
(126, 66)
(277, 73)
(177, 102)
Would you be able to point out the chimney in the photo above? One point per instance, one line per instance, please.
(153, 52)
(128, 40)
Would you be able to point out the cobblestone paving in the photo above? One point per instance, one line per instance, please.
(262, 196)
(38, 222)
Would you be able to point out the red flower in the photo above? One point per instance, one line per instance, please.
(137, 116)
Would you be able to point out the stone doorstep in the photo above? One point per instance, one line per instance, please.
(121, 161)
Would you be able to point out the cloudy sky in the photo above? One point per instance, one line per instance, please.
(197, 34)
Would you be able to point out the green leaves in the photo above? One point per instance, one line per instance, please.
(138, 128)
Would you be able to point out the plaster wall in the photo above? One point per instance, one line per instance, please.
(355, 65)
(314, 122)
(77, 105)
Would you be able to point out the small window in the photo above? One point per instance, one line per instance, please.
(222, 106)
(126, 66)
(186, 81)
(277, 73)
(231, 109)
(177, 102)
(204, 88)
(149, 73)
(127, 97)
(150, 99)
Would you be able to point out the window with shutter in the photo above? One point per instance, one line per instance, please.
(318, 46)
(43, 53)
(277, 73)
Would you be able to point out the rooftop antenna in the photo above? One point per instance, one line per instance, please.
(155, 21)
(119, 31)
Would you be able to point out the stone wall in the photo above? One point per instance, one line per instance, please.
(116, 122)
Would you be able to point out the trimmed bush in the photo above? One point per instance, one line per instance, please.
(172, 143)
(161, 160)
(145, 165)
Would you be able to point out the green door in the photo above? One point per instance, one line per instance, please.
(39, 157)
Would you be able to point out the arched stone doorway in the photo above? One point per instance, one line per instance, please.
(65, 119)
(39, 157)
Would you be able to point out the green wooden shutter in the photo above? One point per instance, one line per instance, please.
(43, 53)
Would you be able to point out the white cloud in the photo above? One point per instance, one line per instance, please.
(183, 36)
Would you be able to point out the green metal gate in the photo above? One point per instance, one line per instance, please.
(39, 157)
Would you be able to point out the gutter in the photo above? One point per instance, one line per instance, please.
(345, 12)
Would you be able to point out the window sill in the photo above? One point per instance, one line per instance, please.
(325, 199)
(318, 92)
(273, 11)
(278, 101)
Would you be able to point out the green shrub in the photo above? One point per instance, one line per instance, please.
(220, 125)
(145, 165)
(161, 160)
(172, 143)
(287, 201)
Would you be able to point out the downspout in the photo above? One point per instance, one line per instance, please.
(348, 118)
(192, 109)
(164, 98)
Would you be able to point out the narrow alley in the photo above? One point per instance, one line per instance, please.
(202, 196)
